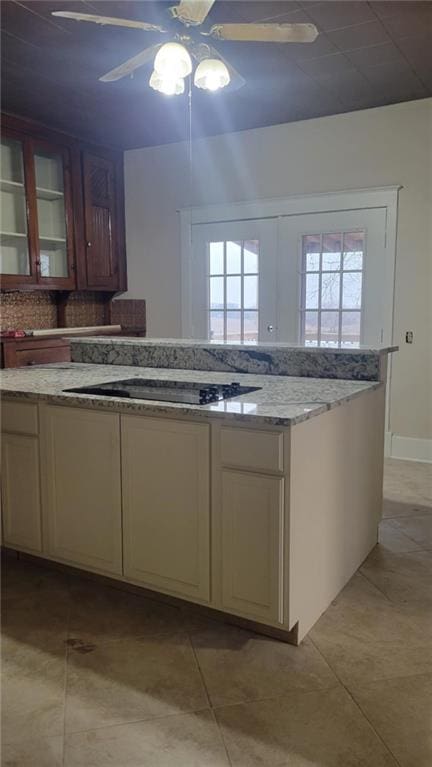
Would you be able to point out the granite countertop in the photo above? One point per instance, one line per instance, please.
(282, 400)
(266, 346)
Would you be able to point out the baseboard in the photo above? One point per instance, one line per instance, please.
(407, 448)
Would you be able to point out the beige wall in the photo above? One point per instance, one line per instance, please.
(376, 147)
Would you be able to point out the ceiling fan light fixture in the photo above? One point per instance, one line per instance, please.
(170, 86)
(211, 75)
(173, 60)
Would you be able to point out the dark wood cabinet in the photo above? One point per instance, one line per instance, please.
(62, 212)
(100, 222)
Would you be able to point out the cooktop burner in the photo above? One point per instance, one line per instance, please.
(191, 393)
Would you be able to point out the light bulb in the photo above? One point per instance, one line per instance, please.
(173, 60)
(211, 75)
(170, 86)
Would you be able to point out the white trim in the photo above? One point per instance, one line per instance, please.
(322, 202)
(353, 199)
(410, 448)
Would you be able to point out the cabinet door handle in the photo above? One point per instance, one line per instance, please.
(89, 244)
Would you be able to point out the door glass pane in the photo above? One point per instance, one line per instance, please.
(216, 293)
(51, 214)
(233, 257)
(14, 253)
(331, 252)
(233, 326)
(312, 291)
(311, 252)
(311, 328)
(353, 250)
(251, 292)
(250, 331)
(330, 286)
(250, 255)
(351, 328)
(233, 300)
(352, 290)
(329, 328)
(216, 326)
(216, 258)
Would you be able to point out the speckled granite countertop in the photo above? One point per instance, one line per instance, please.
(282, 400)
(358, 364)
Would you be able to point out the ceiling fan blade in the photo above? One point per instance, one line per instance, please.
(108, 20)
(202, 51)
(192, 12)
(265, 33)
(131, 65)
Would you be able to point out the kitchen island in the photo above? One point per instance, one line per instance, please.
(260, 507)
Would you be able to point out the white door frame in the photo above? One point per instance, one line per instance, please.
(344, 200)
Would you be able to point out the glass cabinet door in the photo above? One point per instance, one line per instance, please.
(51, 214)
(14, 244)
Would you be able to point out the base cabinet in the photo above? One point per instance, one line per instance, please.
(252, 535)
(21, 508)
(166, 505)
(81, 488)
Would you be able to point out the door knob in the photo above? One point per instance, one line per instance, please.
(270, 328)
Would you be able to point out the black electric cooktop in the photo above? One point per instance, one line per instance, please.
(191, 393)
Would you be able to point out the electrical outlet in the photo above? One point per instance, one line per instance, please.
(409, 337)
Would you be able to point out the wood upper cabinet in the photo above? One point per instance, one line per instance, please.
(100, 222)
(62, 211)
(37, 237)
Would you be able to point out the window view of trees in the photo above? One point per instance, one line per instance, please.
(233, 303)
(332, 277)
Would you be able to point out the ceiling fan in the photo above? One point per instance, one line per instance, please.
(173, 62)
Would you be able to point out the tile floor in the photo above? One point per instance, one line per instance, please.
(95, 677)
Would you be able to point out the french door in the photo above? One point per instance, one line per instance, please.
(331, 278)
(317, 279)
(234, 274)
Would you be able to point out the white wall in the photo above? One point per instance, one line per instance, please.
(375, 147)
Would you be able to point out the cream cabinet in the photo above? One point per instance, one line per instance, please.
(252, 535)
(81, 487)
(21, 508)
(166, 505)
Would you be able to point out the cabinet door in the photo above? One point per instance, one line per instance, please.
(55, 259)
(80, 460)
(252, 537)
(100, 223)
(21, 493)
(16, 241)
(166, 506)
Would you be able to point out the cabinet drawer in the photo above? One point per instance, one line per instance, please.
(42, 355)
(252, 449)
(19, 417)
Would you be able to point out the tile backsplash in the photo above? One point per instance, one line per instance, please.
(37, 309)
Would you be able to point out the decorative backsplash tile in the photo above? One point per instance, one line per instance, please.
(27, 310)
(37, 309)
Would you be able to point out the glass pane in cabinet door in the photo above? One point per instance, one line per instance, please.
(51, 214)
(14, 252)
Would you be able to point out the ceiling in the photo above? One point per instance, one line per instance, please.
(367, 54)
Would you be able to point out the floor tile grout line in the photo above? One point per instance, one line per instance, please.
(186, 712)
(221, 736)
(379, 736)
(66, 674)
(203, 682)
(371, 583)
(200, 671)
